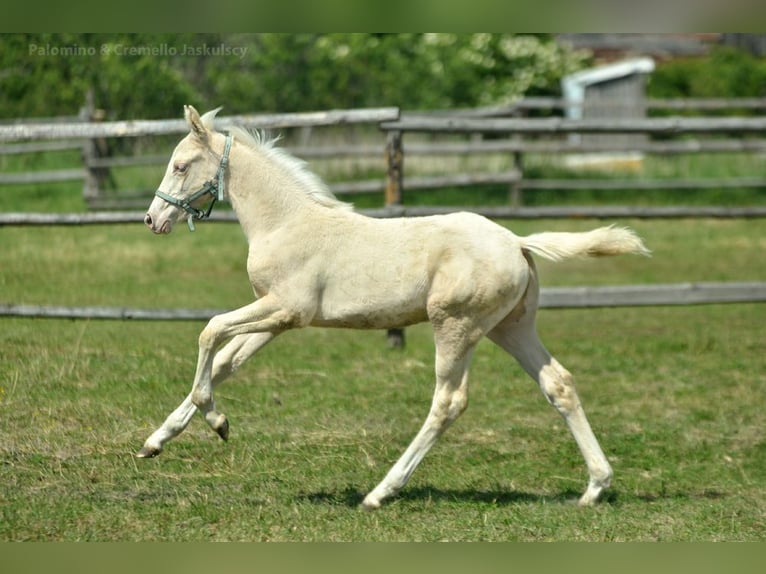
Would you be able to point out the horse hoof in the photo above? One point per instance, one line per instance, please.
(148, 452)
(223, 430)
(370, 504)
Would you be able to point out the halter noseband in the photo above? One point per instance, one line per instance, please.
(214, 187)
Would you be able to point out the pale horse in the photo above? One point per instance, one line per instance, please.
(314, 261)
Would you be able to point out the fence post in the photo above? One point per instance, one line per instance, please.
(394, 178)
(95, 177)
(515, 194)
(395, 168)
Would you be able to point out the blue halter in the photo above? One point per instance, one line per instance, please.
(214, 187)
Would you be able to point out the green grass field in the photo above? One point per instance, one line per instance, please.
(676, 396)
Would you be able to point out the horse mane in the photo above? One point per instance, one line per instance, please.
(260, 140)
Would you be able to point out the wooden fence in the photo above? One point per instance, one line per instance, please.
(89, 134)
(542, 127)
(510, 137)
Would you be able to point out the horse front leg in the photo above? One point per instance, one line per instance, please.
(227, 360)
(265, 317)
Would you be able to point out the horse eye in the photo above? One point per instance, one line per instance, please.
(180, 167)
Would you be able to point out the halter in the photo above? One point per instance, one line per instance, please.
(214, 187)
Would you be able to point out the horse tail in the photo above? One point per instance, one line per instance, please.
(596, 243)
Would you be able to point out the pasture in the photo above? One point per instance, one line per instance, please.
(676, 396)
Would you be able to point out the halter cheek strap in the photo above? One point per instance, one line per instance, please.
(214, 187)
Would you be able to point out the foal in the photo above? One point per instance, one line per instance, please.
(314, 261)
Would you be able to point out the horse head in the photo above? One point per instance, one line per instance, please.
(194, 172)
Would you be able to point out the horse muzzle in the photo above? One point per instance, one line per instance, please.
(157, 227)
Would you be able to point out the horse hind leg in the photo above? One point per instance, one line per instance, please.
(449, 401)
(557, 384)
(227, 360)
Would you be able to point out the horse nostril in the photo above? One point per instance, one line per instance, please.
(148, 220)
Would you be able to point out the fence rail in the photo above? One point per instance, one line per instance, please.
(26, 219)
(568, 147)
(135, 128)
(541, 126)
(651, 295)
(550, 298)
(43, 177)
(671, 104)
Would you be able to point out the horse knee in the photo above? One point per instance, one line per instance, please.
(449, 407)
(458, 405)
(209, 335)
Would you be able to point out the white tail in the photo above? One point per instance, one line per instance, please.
(596, 243)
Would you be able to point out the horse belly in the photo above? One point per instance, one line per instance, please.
(377, 304)
(371, 319)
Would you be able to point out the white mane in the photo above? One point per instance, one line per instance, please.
(311, 183)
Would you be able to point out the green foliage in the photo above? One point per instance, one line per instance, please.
(34, 85)
(292, 72)
(132, 82)
(50, 74)
(152, 75)
(726, 73)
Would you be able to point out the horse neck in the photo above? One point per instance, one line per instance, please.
(263, 196)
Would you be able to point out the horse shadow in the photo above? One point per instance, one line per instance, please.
(353, 497)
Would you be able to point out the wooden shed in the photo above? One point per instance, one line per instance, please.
(616, 90)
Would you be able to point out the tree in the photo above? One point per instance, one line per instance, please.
(294, 72)
(153, 75)
(50, 74)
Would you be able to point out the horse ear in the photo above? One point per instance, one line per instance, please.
(195, 123)
(208, 118)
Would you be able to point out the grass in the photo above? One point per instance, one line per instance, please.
(676, 396)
